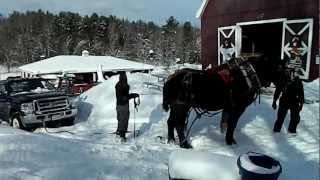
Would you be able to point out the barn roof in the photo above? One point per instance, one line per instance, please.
(202, 8)
(82, 64)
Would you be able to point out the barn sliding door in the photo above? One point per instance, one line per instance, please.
(296, 44)
(226, 43)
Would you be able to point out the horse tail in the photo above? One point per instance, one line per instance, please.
(169, 90)
(165, 96)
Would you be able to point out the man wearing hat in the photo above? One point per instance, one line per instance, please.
(296, 53)
(123, 96)
(227, 50)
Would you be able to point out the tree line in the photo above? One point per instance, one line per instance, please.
(30, 36)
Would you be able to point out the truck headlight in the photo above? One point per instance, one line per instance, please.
(73, 103)
(27, 108)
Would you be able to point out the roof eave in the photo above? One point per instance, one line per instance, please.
(202, 8)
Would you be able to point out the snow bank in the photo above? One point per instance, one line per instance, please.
(173, 68)
(201, 165)
(311, 90)
(4, 69)
(4, 74)
(99, 103)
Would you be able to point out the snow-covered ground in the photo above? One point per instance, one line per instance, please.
(93, 153)
(4, 74)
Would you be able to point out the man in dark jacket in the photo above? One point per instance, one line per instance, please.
(123, 97)
(292, 99)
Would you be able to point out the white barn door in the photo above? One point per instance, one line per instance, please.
(296, 44)
(226, 43)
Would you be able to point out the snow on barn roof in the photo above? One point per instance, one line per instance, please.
(82, 64)
(202, 8)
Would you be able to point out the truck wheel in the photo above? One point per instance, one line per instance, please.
(16, 122)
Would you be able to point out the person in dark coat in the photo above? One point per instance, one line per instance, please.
(292, 98)
(123, 97)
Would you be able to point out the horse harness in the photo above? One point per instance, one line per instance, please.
(228, 75)
(247, 71)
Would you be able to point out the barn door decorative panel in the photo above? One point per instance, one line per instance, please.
(226, 43)
(296, 45)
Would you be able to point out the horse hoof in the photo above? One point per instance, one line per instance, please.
(171, 141)
(234, 142)
(231, 142)
(186, 146)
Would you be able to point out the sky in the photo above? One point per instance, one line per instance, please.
(147, 10)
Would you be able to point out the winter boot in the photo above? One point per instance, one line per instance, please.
(123, 140)
(123, 136)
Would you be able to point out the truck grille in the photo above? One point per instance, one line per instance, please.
(51, 105)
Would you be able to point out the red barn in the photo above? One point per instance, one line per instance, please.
(286, 29)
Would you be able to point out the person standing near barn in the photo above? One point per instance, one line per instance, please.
(292, 98)
(227, 50)
(123, 112)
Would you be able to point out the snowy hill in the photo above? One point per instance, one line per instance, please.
(93, 153)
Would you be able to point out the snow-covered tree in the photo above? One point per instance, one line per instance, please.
(34, 35)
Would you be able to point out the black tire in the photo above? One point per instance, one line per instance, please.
(15, 122)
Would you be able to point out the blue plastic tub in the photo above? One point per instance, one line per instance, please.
(256, 166)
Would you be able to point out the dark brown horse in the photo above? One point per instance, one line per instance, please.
(230, 87)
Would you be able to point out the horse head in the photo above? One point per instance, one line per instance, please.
(269, 70)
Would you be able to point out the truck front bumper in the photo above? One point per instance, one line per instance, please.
(31, 119)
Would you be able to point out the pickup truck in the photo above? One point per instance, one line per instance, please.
(28, 103)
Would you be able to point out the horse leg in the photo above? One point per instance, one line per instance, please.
(182, 138)
(180, 118)
(232, 124)
(171, 126)
(224, 121)
(171, 138)
(229, 105)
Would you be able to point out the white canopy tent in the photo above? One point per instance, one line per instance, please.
(82, 64)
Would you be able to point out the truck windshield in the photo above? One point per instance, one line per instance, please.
(29, 85)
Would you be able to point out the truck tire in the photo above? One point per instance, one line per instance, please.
(15, 122)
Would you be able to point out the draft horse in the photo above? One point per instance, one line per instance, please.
(231, 87)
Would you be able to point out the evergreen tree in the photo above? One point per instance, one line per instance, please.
(187, 41)
(34, 35)
(168, 40)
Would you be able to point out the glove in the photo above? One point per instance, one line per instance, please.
(135, 95)
(300, 106)
(274, 105)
